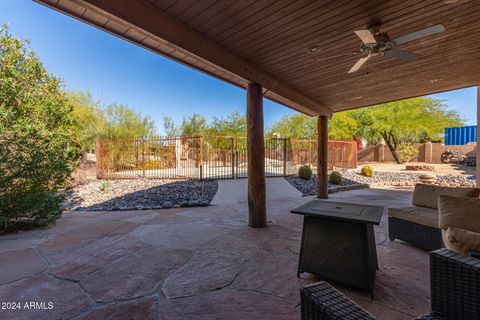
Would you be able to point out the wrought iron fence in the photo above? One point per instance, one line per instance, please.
(212, 157)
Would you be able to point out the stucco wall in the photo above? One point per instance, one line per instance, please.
(427, 152)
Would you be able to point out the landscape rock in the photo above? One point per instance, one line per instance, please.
(193, 203)
(420, 167)
(167, 204)
(138, 194)
(353, 179)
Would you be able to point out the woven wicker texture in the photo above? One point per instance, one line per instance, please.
(455, 285)
(424, 237)
(321, 301)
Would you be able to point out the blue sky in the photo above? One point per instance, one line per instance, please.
(117, 71)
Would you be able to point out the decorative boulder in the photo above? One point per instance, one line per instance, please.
(428, 178)
(167, 204)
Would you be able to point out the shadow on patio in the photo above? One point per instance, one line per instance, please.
(193, 263)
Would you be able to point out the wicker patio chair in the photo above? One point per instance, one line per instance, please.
(418, 224)
(455, 286)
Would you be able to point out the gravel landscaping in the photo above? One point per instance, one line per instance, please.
(104, 195)
(354, 180)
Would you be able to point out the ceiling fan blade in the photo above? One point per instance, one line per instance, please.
(359, 64)
(404, 55)
(366, 36)
(418, 34)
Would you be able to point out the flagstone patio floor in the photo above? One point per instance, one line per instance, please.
(192, 263)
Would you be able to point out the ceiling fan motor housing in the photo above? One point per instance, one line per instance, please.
(377, 48)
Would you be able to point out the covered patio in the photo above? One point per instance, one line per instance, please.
(195, 263)
(307, 55)
(207, 263)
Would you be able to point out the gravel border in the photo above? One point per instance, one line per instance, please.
(354, 180)
(140, 194)
(309, 187)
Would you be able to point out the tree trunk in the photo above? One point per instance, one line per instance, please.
(392, 145)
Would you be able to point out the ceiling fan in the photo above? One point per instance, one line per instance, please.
(376, 43)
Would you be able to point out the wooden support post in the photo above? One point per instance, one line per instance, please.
(322, 157)
(478, 137)
(257, 211)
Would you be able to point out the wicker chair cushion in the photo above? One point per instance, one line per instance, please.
(461, 240)
(420, 215)
(463, 213)
(426, 195)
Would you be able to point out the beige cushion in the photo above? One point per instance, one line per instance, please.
(420, 215)
(426, 195)
(461, 213)
(461, 240)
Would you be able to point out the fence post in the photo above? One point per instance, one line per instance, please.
(200, 156)
(233, 146)
(143, 156)
(99, 158)
(355, 154)
(284, 157)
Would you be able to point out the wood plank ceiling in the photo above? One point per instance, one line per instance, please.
(268, 41)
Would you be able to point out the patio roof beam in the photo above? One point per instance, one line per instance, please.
(322, 157)
(257, 207)
(154, 21)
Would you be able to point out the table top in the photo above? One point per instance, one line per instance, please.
(350, 212)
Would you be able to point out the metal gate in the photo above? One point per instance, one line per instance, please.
(209, 157)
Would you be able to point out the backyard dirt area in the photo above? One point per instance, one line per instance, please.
(442, 168)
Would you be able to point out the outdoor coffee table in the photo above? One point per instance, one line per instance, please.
(338, 242)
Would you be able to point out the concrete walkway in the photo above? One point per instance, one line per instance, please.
(235, 191)
(193, 263)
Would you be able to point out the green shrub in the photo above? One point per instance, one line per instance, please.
(406, 151)
(368, 171)
(335, 177)
(305, 172)
(37, 147)
(104, 185)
